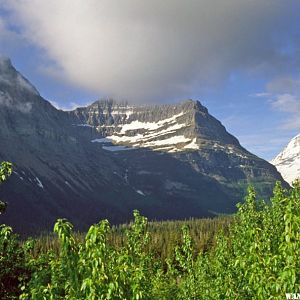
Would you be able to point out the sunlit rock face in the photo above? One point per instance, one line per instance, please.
(186, 131)
(167, 128)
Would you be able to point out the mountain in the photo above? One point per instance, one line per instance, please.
(104, 160)
(167, 128)
(287, 162)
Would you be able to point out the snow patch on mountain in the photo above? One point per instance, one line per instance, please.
(102, 140)
(125, 112)
(84, 125)
(162, 135)
(192, 145)
(116, 148)
(287, 162)
(39, 183)
(140, 192)
(149, 125)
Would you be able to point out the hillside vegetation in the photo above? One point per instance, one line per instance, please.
(256, 256)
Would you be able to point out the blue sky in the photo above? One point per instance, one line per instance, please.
(241, 59)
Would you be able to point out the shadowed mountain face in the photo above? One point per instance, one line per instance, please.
(104, 160)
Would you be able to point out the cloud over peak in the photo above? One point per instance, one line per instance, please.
(151, 50)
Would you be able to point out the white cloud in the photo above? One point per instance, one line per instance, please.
(151, 50)
(69, 107)
(260, 95)
(284, 85)
(10, 41)
(287, 103)
(285, 97)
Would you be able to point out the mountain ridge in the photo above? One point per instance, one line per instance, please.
(137, 125)
(61, 169)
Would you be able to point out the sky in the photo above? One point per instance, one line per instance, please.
(240, 58)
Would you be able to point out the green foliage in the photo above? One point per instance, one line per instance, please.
(164, 236)
(94, 270)
(259, 259)
(2, 207)
(256, 258)
(12, 264)
(5, 172)
(13, 269)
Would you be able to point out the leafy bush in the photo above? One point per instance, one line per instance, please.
(94, 270)
(5, 172)
(12, 257)
(257, 258)
(13, 268)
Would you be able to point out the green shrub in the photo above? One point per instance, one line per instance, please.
(256, 258)
(13, 269)
(259, 259)
(5, 172)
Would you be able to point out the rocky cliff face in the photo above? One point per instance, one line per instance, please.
(104, 160)
(287, 162)
(186, 131)
(167, 128)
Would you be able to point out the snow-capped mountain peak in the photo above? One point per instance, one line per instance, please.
(287, 162)
(168, 128)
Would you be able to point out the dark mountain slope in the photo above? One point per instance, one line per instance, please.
(169, 161)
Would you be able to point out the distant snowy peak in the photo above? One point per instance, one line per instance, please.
(287, 162)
